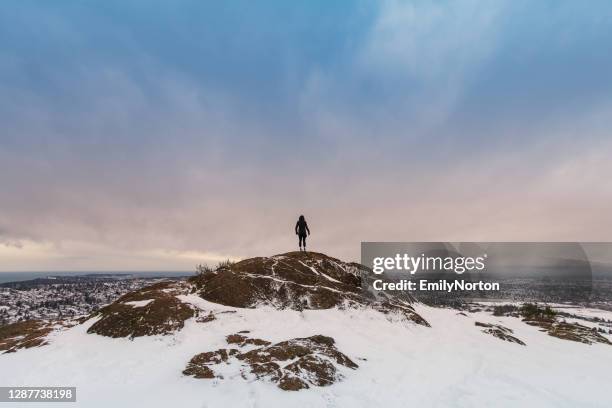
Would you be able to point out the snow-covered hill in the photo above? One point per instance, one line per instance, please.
(170, 345)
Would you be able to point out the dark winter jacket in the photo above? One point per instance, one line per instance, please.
(301, 227)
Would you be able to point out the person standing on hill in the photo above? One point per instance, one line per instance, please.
(302, 231)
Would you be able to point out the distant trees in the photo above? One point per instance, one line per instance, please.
(504, 310)
(533, 311)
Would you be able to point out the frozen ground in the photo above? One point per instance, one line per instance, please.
(401, 364)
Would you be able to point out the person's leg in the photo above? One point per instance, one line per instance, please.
(300, 237)
(304, 239)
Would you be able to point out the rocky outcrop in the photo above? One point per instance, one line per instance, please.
(551, 322)
(577, 332)
(296, 280)
(149, 311)
(293, 364)
(499, 331)
(241, 340)
(399, 308)
(201, 365)
(569, 331)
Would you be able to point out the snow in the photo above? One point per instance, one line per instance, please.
(400, 364)
(329, 278)
(139, 303)
(316, 287)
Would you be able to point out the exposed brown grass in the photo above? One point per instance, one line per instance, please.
(293, 364)
(30, 333)
(165, 314)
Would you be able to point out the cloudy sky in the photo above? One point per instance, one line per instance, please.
(150, 135)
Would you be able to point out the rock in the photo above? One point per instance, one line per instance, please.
(199, 365)
(293, 364)
(199, 371)
(298, 281)
(547, 319)
(399, 308)
(163, 314)
(243, 340)
(205, 319)
(290, 383)
(569, 331)
(499, 331)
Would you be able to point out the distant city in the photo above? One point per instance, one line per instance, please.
(69, 296)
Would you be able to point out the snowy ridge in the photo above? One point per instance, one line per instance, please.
(170, 344)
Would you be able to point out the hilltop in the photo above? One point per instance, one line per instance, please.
(251, 332)
(293, 281)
